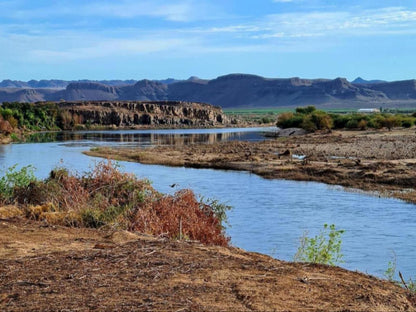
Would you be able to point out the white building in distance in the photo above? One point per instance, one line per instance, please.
(369, 110)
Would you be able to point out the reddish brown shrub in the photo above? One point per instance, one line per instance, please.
(106, 196)
(181, 212)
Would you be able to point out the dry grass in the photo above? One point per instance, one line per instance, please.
(10, 211)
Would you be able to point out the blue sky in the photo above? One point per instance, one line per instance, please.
(156, 39)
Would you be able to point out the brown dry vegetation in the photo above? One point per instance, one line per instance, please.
(55, 268)
(108, 197)
(382, 161)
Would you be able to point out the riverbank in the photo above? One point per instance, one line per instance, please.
(378, 161)
(50, 267)
(19, 120)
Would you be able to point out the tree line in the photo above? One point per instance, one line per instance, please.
(311, 119)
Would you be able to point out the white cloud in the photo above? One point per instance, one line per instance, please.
(381, 21)
(174, 10)
(387, 21)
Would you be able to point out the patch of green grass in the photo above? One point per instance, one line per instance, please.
(257, 111)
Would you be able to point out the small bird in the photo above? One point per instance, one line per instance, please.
(173, 185)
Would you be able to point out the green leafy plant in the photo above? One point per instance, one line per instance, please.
(324, 248)
(391, 268)
(14, 179)
(32, 116)
(390, 273)
(219, 209)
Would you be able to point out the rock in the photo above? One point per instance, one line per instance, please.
(5, 127)
(152, 113)
(290, 132)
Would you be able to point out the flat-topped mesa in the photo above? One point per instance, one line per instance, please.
(136, 113)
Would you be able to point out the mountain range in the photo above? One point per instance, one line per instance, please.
(229, 91)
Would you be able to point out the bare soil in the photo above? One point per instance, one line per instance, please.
(381, 161)
(53, 268)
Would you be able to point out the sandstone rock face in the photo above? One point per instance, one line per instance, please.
(133, 113)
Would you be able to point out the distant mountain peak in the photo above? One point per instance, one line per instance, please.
(233, 90)
(360, 80)
(192, 78)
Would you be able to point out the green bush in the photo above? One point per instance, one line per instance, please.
(362, 124)
(266, 120)
(391, 121)
(352, 124)
(288, 120)
(324, 248)
(311, 120)
(307, 124)
(91, 218)
(307, 118)
(321, 120)
(33, 116)
(305, 110)
(376, 122)
(407, 122)
(339, 120)
(219, 209)
(14, 179)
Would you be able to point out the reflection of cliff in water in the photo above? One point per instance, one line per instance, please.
(143, 138)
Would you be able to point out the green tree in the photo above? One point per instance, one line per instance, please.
(305, 110)
(391, 122)
(322, 120)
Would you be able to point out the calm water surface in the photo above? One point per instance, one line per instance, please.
(269, 216)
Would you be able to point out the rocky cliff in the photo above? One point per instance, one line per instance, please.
(133, 113)
(232, 91)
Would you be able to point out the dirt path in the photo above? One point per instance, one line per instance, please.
(382, 161)
(52, 268)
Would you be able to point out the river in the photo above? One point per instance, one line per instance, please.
(268, 216)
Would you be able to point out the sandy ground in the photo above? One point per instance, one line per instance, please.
(382, 161)
(53, 268)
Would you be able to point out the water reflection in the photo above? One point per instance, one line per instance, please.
(145, 138)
